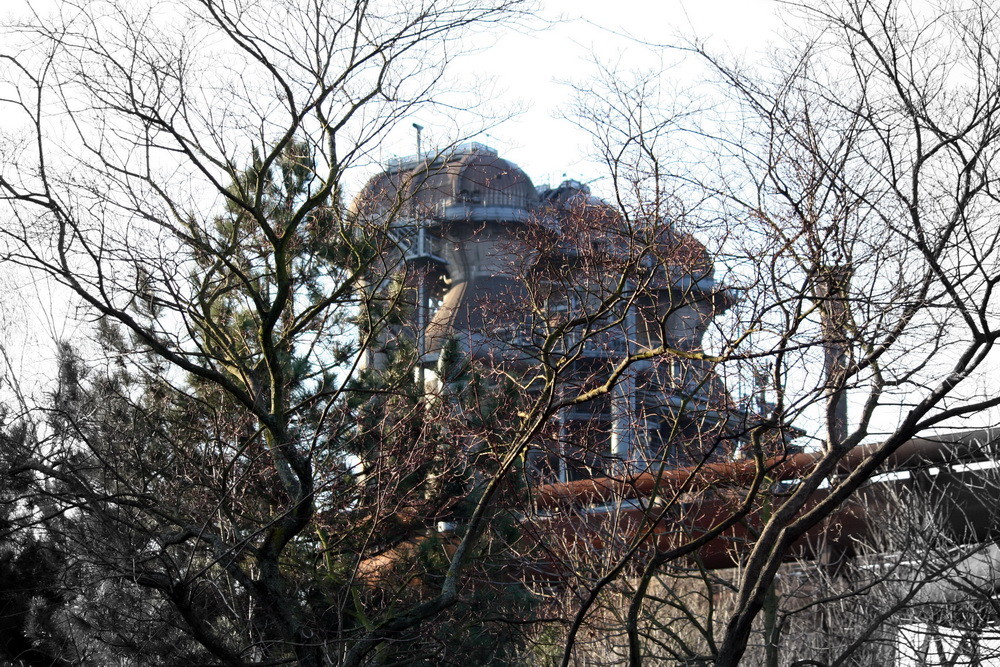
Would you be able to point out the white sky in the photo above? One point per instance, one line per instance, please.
(528, 69)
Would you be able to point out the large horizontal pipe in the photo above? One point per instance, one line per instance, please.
(965, 447)
(590, 533)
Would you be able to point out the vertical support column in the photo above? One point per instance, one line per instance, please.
(622, 416)
(563, 472)
(623, 412)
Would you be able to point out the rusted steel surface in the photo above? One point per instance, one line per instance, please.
(600, 517)
(969, 446)
(669, 509)
(687, 521)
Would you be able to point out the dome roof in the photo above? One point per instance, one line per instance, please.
(470, 177)
(571, 203)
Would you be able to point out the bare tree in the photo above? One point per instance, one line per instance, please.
(180, 171)
(261, 499)
(847, 199)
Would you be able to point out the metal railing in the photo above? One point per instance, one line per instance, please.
(417, 242)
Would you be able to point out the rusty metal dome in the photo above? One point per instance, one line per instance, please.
(468, 182)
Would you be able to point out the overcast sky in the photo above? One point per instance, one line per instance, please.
(524, 71)
(528, 68)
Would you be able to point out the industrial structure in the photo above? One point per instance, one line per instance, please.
(510, 275)
(495, 265)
